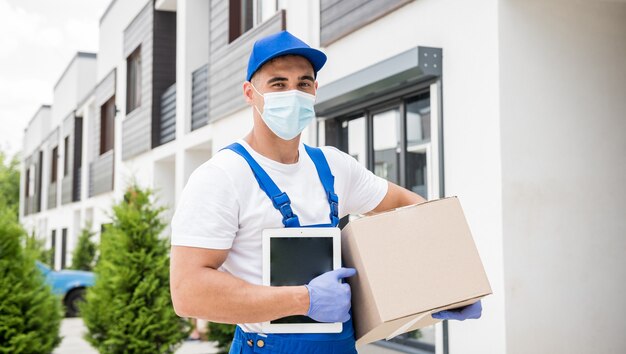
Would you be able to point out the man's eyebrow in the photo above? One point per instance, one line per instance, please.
(280, 78)
(307, 77)
(275, 79)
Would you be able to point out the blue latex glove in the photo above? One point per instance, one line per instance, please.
(472, 311)
(329, 298)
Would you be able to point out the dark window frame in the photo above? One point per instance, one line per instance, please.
(63, 247)
(107, 125)
(54, 164)
(66, 156)
(53, 248)
(133, 80)
(238, 24)
(334, 126)
(27, 183)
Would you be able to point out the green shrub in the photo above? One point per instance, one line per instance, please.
(36, 246)
(84, 254)
(129, 309)
(30, 315)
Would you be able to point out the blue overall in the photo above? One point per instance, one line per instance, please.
(305, 343)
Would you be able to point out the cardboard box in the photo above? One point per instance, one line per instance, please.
(411, 262)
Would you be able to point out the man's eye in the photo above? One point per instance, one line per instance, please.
(305, 84)
(278, 85)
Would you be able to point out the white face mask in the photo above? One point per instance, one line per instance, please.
(287, 113)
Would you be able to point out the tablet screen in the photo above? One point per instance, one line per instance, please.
(296, 261)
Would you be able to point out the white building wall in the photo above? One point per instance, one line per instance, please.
(563, 89)
(111, 36)
(467, 33)
(86, 78)
(65, 96)
(36, 131)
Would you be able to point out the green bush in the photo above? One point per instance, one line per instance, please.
(30, 315)
(9, 182)
(84, 254)
(222, 334)
(37, 247)
(129, 309)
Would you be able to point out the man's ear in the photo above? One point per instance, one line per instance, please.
(315, 84)
(247, 92)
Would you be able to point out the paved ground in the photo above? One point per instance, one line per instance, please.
(72, 330)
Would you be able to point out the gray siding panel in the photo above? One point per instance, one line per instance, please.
(227, 64)
(199, 97)
(218, 23)
(106, 88)
(134, 34)
(136, 133)
(101, 174)
(136, 126)
(339, 18)
(326, 4)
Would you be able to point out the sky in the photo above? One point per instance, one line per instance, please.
(38, 38)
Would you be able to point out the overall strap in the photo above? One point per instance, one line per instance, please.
(328, 181)
(279, 199)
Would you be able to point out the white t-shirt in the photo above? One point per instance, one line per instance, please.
(223, 207)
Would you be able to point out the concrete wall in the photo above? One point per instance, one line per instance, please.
(76, 81)
(563, 104)
(111, 43)
(467, 34)
(36, 131)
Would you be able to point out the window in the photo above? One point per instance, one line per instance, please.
(245, 14)
(63, 247)
(27, 183)
(107, 125)
(133, 80)
(66, 156)
(53, 164)
(393, 139)
(53, 248)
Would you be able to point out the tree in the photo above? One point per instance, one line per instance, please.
(9, 182)
(30, 315)
(84, 254)
(36, 246)
(129, 309)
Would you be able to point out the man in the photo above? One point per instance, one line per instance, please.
(216, 255)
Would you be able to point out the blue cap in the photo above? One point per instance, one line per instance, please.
(279, 44)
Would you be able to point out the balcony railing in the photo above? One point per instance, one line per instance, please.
(52, 195)
(200, 97)
(167, 124)
(66, 189)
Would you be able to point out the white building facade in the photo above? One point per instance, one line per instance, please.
(516, 106)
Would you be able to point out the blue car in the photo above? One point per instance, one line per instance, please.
(70, 285)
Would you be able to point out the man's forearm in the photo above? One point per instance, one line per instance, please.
(397, 197)
(220, 297)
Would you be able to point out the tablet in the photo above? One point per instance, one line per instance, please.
(294, 256)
